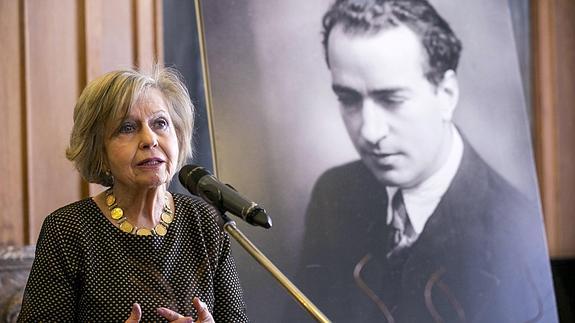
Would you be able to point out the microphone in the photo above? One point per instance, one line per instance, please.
(202, 183)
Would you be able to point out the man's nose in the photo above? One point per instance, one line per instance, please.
(375, 125)
(148, 138)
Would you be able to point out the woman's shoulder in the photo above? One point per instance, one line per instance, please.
(84, 206)
(80, 205)
(74, 215)
(197, 212)
(65, 229)
(193, 204)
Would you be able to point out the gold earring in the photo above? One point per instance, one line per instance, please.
(109, 177)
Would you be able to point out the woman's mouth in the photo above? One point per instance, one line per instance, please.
(151, 162)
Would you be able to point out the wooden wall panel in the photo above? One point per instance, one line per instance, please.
(109, 36)
(92, 12)
(12, 140)
(122, 34)
(50, 50)
(544, 112)
(53, 87)
(554, 85)
(158, 22)
(145, 35)
(118, 35)
(564, 244)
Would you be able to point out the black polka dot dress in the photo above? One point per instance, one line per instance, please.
(87, 270)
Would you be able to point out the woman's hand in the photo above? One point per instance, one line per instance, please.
(204, 316)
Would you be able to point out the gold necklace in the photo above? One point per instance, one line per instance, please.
(117, 213)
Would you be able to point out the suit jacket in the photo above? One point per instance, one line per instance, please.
(480, 258)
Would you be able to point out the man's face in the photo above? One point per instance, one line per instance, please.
(399, 122)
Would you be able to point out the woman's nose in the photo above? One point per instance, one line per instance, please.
(149, 138)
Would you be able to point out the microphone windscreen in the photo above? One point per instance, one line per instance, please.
(190, 176)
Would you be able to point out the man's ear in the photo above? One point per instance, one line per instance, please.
(448, 92)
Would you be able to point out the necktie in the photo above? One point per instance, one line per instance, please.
(402, 234)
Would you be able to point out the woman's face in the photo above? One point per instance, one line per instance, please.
(142, 151)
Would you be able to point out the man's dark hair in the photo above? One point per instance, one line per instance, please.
(370, 16)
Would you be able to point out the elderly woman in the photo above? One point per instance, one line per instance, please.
(135, 251)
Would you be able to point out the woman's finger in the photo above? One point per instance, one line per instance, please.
(204, 314)
(170, 315)
(135, 315)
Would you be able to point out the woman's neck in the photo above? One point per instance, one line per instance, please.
(142, 208)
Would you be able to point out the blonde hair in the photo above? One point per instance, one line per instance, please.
(110, 97)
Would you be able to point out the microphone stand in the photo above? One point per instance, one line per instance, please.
(231, 228)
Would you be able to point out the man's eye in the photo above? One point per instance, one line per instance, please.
(349, 101)
(391, 101)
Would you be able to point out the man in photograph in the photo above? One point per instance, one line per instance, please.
(421, 228)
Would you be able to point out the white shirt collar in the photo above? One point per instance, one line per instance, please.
(421, 200)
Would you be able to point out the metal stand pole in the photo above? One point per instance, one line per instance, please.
(231, 228)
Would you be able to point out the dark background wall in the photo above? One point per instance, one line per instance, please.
(182, 51)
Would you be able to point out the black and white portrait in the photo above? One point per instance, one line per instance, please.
(389, 142)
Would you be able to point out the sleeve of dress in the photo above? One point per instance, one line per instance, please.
(50, 294)
(229, 302)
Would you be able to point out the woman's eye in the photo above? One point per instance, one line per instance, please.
(161, 123)
(127, 128)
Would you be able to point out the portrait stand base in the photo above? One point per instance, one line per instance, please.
(231, 228)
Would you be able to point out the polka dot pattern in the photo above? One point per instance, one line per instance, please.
(86, 269)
